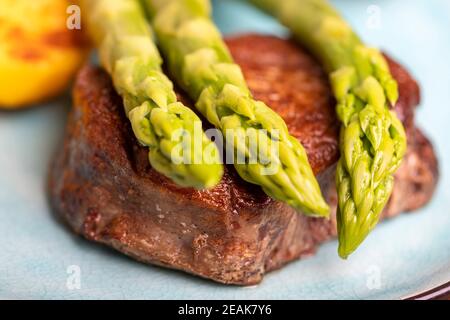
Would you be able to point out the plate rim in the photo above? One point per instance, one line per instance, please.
(441, 292)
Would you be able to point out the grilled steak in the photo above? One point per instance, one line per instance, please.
(104, 188)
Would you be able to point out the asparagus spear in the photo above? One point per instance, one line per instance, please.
(373, 140)
(200, 61)
(178, 147)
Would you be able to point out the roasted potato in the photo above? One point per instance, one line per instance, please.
(39, 54)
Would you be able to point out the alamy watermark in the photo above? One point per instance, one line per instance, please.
(73, 21)
(73, 281)
(373, 280)
(374, 19)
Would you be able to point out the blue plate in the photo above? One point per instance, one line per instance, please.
(39, 258)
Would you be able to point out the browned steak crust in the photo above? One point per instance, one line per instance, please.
(102, 185)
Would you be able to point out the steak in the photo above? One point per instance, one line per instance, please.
(102, 185)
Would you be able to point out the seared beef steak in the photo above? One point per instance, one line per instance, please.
(102, 185)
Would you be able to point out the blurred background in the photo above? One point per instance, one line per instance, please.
(39, 56)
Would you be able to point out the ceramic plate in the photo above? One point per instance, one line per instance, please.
(401, 258)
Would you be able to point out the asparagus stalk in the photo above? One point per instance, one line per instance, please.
(202, 65)
(178, 147)
(373, 140)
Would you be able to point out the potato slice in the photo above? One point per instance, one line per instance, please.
(38, 53)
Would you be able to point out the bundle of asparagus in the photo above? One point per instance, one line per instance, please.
(373, 140)
(127, 51)
(203, 67)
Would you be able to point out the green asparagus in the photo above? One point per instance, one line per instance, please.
(373, 140)
(178, 147)
(200, 61)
